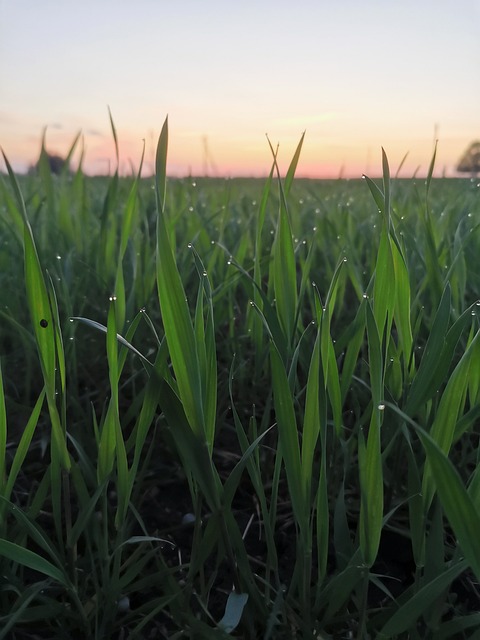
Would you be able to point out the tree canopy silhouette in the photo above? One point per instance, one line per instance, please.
(55, 162)
(470, 161)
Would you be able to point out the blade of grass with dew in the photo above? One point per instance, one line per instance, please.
(451, 404)
(206, 350)
(384, 287)
(175, 313)
(42, 317)
(370, 455)
(126, 229)
(284, 267)
(107, 444)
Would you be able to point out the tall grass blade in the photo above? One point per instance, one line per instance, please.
(175, 313)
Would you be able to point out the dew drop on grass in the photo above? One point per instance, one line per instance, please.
(59, 257)
(113, 298)
(365, 296)
(204, 274)
(381, 407)
(345, 259)
(189, 245)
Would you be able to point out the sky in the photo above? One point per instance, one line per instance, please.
(355, 75)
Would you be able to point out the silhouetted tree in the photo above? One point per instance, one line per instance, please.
(470, 161)
(56, 164)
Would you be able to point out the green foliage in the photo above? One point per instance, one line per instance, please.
(267, 395)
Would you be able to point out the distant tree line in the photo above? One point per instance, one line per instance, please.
(55, 162)
(470, 161)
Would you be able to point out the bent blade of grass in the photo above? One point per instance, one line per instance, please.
(435, 344)
(32, 560)
(23, 446)
(408, 614)
(458, 505)
(175, 313)
(449, 409)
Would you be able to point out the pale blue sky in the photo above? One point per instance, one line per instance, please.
(356, 75)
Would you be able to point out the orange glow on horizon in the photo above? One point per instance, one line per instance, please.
(223, 156)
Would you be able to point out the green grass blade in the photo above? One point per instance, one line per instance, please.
(28, 558)
(448, 413)
(409, 613)
(175, 313)
(370, 455)
(287, 428)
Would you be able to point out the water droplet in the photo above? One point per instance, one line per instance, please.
(189, 245)
(59, 257)
(469, 215)
(212, 241)
(365, 296)
(71, 319)
(474, 312)
(113, 298)
(143, 310)
(314, 229)
(188, 518)
(204, 274)
(381, 407)
(190, 209)
(345, 259)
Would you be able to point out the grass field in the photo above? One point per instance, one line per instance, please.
(242, 408)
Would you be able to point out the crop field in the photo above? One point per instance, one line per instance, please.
(239, 408)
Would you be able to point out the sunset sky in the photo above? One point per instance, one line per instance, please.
(356, 75)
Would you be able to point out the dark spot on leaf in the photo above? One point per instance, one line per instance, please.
(43, 323)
